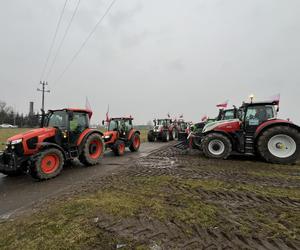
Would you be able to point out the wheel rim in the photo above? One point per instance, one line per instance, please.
(50, 163)
(136, 142)
(216, 147)
(95, 149)
(282, 146)
(121, 148)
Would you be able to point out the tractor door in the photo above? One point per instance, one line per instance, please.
(78, 122)
(254, 117)
(127, 127)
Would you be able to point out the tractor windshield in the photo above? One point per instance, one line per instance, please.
(57, 119)
(113, 125)
(228, 114)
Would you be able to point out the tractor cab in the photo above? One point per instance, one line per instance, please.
(254, 114)
(121, 134)
(70, 124)
(162, 122)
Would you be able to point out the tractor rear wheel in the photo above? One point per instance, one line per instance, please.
(49, 164)
(135, 142)
(151, 137)
(280, 144)
(92, 152)
(216, 146)
(119, 148)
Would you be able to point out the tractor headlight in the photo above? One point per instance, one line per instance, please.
(14, 142)
(107, 136)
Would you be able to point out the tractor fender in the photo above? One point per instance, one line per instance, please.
(228, 135)
(85, 134)
(273, 123)
(43, 145)
(132, 132)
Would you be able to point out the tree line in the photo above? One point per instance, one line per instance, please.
(9, 116)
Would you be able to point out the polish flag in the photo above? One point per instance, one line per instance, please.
(223, 104)
(204, 118)
(275, 98)
(87, 104)
(107, 114)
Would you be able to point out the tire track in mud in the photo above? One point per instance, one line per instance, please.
(173, 235)
(178, 235)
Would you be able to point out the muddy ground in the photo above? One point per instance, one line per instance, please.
(178, 199)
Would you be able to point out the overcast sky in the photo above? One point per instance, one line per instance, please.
(151, 57)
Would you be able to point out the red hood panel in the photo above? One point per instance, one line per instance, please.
(32, 133)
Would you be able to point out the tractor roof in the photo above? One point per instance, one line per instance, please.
(122, 118)
(260, 103)
(88, 111)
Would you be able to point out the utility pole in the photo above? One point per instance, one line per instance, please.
(43, 90)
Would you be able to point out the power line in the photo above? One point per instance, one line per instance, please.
(63, 39)
(54, 38)
(86, 40)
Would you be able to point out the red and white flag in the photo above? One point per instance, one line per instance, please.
(107, 114)
(223, 104)
(204, 118)
(275, 98)
(87, 104)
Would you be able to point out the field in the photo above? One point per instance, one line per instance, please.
(171, 199)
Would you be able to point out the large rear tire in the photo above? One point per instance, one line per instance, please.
(48, 165)
(151, 137)
(216, 146)
(135, 143)
(92, 152)
(280, 144)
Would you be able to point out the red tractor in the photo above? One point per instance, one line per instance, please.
(164, 130)
(63, 136)
(121, 134)
(183, 129)
(256, 132)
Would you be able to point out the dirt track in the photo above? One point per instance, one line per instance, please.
(245, 218)
(21, 193)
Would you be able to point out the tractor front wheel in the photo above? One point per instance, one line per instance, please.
(216, 146)
(135, 143)
(92, 152)
(49, 164)
(280, 144)
(165, 136)
(151, 137)
(119, 148)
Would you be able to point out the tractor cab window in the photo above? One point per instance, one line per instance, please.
(113, 125)
(128, 125)
(57, 119)
(228, 114)
(79, 122)
(257, 114)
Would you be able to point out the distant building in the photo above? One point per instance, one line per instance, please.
(31, 105)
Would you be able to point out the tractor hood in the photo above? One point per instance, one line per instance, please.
(211, 126)
(39, 132)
